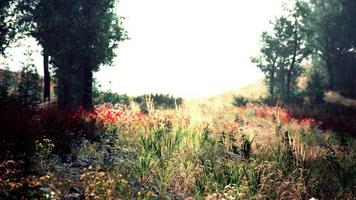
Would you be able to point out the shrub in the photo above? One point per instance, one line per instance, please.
(240, 101)
(112, 98)
(21, 127)
(160, 101)
(269, 100)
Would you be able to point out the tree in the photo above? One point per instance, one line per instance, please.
(267, 62)
(29, 86)
(46, 77)
(16, 19)
(7, 32)
(79, 35)
(6, 85)
(317, 81)
(299, 50)
(283, 50)
(332, 37)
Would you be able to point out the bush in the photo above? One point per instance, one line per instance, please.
(112, 97)
(21, 126)
(269, 100)
(160, 101)
(240, 101)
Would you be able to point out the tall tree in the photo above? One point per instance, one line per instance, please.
(80, 35)
(332, 27)
(29, 86)
(7, 33)
(297, 43)
(283, 50)
(46, 77)
(326, 39)
(24, 26)
(268, 59)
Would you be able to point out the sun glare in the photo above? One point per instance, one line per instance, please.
(188, 48)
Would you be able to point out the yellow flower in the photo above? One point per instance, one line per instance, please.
(123, 181)
(151, 194)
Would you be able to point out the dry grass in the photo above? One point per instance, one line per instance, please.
(209, 149)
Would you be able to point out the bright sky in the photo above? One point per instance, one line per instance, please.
(188, 48)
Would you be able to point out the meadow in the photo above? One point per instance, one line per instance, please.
(205, 149)
(68, 135)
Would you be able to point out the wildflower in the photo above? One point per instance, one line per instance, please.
(151, 194)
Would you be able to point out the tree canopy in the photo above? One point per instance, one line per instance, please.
(283, 50)
(7, 32)
(79, 36)
(319, 32)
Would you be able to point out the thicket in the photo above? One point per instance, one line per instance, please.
(317, 37)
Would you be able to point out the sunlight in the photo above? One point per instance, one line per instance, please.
(185, 48)
(205, 99)
(188, 48)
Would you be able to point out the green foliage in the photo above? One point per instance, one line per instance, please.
(160, 143)
(160, 101)
(7, 84)
(7, 32)
(323, 29)
(79, 36)
(29, 88)
(331, 35)
(44, 147)
(268, 100)
(171, 160)
(240, 101)
(283, 50)
(316, 86)
(111, 97)
(246, 147)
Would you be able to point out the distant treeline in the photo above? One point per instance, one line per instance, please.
(25, 88)
(159, 101)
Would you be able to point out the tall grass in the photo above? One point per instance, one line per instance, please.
(196, 161)
(228, 152)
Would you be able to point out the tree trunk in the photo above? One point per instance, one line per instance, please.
(292, 65)
(271, 80)
(47, 79)
(87, 99)
(87, 88)
(65, 84)
(330, 74)
(27, 88)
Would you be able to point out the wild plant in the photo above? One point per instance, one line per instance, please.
(246, 147)
(143, 168)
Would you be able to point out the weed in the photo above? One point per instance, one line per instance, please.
(240, 101)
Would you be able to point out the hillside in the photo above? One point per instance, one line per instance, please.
(252, 90)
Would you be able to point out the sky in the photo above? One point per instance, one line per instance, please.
(187, 48)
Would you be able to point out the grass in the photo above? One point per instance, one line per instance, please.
(199, 161)
(208, 150)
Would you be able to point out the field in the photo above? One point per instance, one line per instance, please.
(207, 149)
